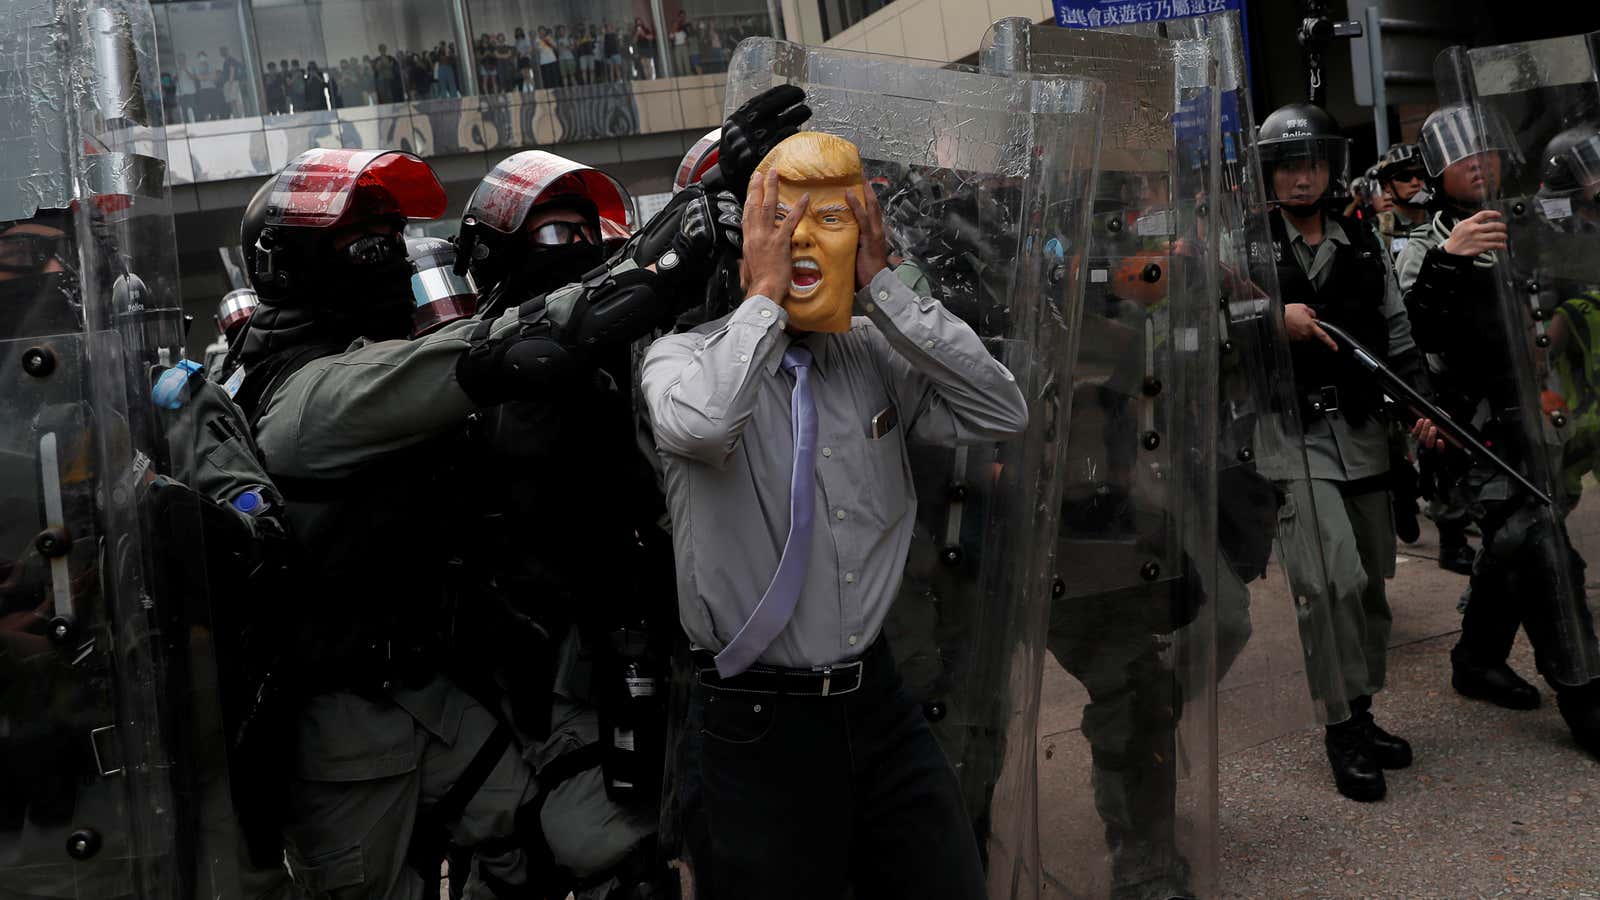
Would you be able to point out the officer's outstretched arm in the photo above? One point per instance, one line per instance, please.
(551, 337)
(658, 272)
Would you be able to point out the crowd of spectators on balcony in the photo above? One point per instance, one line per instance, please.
(543, 56)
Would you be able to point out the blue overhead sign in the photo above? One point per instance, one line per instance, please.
(1107, 13)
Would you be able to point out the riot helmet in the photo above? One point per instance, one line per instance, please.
(234, 311)
(328, 229)
(1571, 163)
(39, 289)
(699, 160)
(1303, 139)
(440, 294)
(538, 221)
(1402, 175)
(1455, 136)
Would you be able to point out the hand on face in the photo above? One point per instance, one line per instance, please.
(872, 244)
(766, 267)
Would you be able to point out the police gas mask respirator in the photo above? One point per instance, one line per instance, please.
(39, 292)
(553, 254)
(370, 277)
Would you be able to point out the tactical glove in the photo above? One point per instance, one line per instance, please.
(685, 240)
(751, 133)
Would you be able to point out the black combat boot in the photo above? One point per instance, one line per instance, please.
(1354, 772)
(1455, 554)
(1498, 684)
(1580, 707)
(1388, 751)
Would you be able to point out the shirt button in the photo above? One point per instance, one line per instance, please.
(827, 451)
(849, 578)
(839, 514)
(870, 307)
(852, 640)
(766, 314)
(928, 344)
(744, 357)
(882, 296)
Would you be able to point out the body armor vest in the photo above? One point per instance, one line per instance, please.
(376, 546)
(1351, 298)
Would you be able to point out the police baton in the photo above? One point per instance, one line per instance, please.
(1396, 386)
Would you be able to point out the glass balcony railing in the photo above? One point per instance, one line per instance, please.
(248, 84)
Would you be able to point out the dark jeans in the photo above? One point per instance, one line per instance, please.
(806, 797)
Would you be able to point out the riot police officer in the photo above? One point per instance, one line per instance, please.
(1526, 570)
(1333, 268)
(1399, 176)
(386, 745)
(578, 604)
(365, 430)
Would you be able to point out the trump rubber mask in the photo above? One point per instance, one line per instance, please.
(823, 278)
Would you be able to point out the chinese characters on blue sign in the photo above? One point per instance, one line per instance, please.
(1106, 13)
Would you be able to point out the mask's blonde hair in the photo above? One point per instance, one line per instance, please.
(815, 157)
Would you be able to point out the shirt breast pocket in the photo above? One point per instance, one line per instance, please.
(888, 484)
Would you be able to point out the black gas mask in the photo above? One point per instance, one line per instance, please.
(34, 301)
(369, 280)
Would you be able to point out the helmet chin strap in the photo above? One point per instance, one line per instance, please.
(1419, 200)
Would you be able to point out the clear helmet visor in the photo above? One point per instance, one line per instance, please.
(1296, 168)
(1454, 134)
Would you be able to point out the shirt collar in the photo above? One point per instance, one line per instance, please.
(818, 342)
(1331, 230)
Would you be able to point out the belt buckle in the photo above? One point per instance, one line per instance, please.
(827, 677)
(1327, 399)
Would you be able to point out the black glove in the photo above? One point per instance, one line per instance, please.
(686, 239)
(751, 133)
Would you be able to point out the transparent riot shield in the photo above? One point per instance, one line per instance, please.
(979, 176)
(1522, 124)
(1127, 738)
(111, 743)
(1278, 669)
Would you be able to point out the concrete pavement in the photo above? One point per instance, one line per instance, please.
(1499, 803)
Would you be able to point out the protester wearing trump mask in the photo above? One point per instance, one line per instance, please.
(782, 428)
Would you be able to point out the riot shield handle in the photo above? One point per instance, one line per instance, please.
(1454, 432)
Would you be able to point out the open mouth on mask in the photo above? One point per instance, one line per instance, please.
(804, 277)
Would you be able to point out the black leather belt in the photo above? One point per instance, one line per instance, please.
(821, 681)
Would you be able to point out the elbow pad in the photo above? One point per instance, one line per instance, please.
(556, 333)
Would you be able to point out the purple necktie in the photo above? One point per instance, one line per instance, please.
(777, 604)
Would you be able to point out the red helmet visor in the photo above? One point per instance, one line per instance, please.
(323, 187)
(534, 177)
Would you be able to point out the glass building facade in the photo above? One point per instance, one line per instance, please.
(248, 84)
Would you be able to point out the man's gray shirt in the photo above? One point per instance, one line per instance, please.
(1335, 449)
(720, 409)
